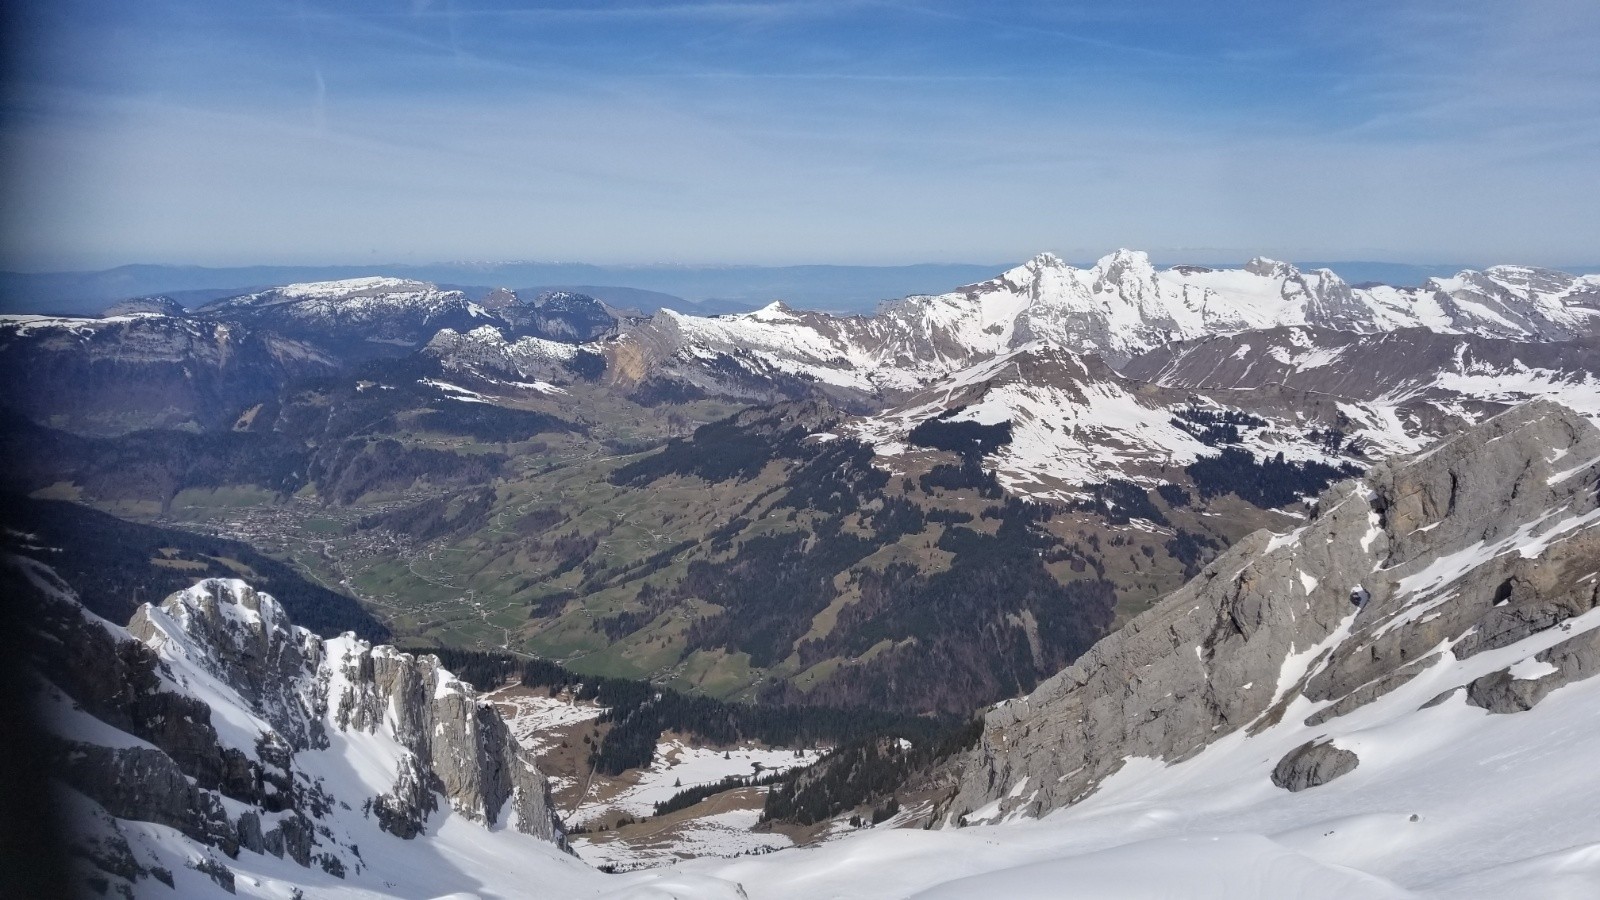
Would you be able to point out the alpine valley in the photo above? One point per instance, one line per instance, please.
(374, 588)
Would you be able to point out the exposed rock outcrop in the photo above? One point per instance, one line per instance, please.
(246, 641)
(1515, 689)
(460, 746)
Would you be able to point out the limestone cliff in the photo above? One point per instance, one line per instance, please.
(1480, 543)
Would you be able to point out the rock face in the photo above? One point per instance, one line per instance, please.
(215, 716)
(145, 370)
(248, 644)
(461, 747)
(1485, 540)
(1425, 382)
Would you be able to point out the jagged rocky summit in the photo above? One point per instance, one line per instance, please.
(212, 728)
(1468, 573)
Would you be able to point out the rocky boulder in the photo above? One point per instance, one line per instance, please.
(1311, 764)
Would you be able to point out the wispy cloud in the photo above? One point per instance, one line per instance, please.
(788, 132)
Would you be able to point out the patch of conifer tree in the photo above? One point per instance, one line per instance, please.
(965, 437)
(691, 795)
(970, 475)
(664, 391)
(346, 472)
(1266, 483)
(638, 712)
(489, 423)
(586, 364)
(1119, 501)
(436, 516)
(1193, 550)
(860, 773)
(1214, 427)
(1174, 495)
(146, 465)
(957, 638)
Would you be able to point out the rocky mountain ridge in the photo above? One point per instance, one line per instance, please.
(213, 727)
(1468, 572)
(1403, 368)
(1118, 309)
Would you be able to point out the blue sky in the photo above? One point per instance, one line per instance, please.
(221, 133)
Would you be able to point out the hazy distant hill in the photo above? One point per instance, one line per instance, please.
(708, 289)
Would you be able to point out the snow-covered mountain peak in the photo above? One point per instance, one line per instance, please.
(1127, 278)
(232, 604)
(486, 352)
(1124, 260)
(241, 638)
(377, 309)
(165, 306)
(776, 311)
(1117, 309)
(212, 741)
(1026, 278)
(347, 297)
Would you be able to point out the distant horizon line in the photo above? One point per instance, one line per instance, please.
(1160, 259)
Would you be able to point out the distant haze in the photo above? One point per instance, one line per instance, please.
(704, 290)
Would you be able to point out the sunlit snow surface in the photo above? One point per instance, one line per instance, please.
(1503, 806)
(725, 834)
(678, 766)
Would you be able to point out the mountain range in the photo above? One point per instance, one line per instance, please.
(1234, 520)
(1393, 699)
(686, 288)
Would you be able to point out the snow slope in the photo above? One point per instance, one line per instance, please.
(1449, 801)
(1074, 421)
